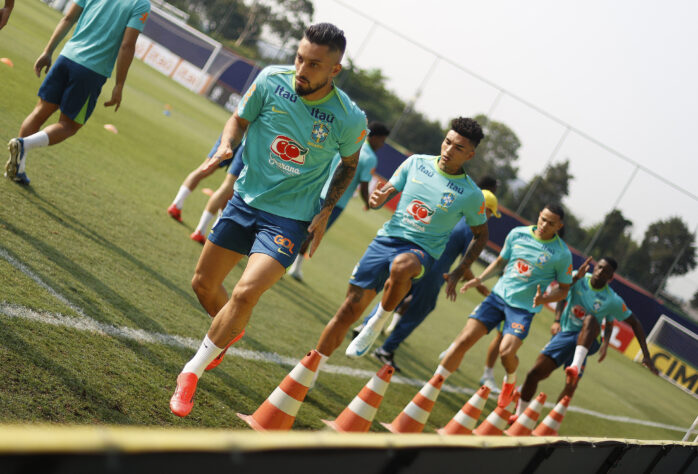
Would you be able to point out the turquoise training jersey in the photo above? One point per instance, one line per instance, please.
(290, 143)
(531, 262)
(367, 162)
(432, 203)
(583, 300)
(100, 30)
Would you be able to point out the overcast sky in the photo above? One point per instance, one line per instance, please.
(623, 72)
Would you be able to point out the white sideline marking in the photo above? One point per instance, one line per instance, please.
(85, 323)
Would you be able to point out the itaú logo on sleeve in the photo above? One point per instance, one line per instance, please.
(288, 149)
(420, 211)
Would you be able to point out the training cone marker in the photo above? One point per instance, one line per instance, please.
(357, 417)
(464, 421)
(496, 421)
(278, 412)
(7, 61)
(415, 415)
(551, 423)
(524, 424)
(111, 128)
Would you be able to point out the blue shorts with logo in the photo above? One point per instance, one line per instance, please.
(373, 269)
(226, 163)
(561, 348)
(246, 230)
(493, 310)
(73, 87)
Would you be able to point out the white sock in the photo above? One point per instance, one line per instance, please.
(323, 359)
(181, 196)
(204, 356)
(510, 378)
(488, 373)
(443, 354)
(441, 370)
(36, 140)
(522, 407)
(379, 319)
(580, 352)
(299, 262)
(396, 320)
(205, 220)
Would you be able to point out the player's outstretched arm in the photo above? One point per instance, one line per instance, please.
(607, 333)
(340, 181)
(5, 12)
(581, 271)
(381, 195)
(557, 294)
(62, 28)
(233, 131)
(480, 237)
(556, 328)
(493, 269)
(640, 335)
(123, 63)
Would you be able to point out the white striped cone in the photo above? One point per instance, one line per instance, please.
(465, 420)
(415, 415)
(357, 417)
(524, 424)
(278, 412)
(497, 421)
(551, 423)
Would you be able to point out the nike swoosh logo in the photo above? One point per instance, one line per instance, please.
(360, 353)
(281, 251)
(274, 109)
(415, 181)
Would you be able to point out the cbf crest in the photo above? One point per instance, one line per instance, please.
(319, 133)
(543, 259)
(446, 200)
(597, 305)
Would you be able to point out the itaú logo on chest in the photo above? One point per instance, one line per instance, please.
(288, 149)
(578, 311)
(420, 211)
(523, 268)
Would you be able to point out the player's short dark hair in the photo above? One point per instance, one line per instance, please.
(469, 129)
(556, 209)
(611, 261)
(378, 129)
(326, 34)
(489, 183)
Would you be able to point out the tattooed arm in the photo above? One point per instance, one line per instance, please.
(340, 181)
(480, 238)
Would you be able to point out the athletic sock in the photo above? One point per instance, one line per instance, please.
(510, 378)
(204, 356)
(522, 407)
(299, 262)
(395, 321)
(488, 373)
(441, 370)
(323, 359)
(205, 220)
(181, 196)
(379, 318)
(580, 352)
(37, 140)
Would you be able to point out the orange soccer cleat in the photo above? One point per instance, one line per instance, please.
(198, 237)
(214, 363)
(506, 395)
(182, 401)
(175, 212)
(571, 375)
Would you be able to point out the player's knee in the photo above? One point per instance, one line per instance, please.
(245, 295)
(405, 266)
(200, 285)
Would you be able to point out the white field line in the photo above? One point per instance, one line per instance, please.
(85, 323)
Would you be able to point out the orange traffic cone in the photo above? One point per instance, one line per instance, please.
(357, 417)
(551, 423)
(525, 423)
(415, 415)
(496, 421)
(278, 412)
(464, 421)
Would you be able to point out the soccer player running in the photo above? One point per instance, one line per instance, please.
(532, 257)
(425, 292)
(296, 120)
(576, 327)
(436, 194)
(5, 12)
(105, 34)
(377, 133)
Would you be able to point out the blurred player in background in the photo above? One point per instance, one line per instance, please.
(576, 328)
(105, 34)
(532, 257)
(368, 160)
(436, 193)
(295, 121)
(5, 12)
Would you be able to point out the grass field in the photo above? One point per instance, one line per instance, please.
(92, 226)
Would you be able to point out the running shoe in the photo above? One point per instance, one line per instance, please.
(175, 212)
(215, 362)
(182, 400)
(506, 395)
(386, 358)
(490, 383)
(294, 270)
(363, 342)
(16, 147)
(22, 178)
(198, 237)
(571, 375)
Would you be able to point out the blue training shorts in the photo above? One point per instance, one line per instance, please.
(73, 87)
(373, 269)
(561, 348)
(246, 230)
(493, 310)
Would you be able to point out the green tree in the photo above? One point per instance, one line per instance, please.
(552, 186)
(496, 155)
(615, 239)
(664, 242)
(694, 300)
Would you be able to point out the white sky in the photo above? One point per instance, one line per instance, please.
(623, 72)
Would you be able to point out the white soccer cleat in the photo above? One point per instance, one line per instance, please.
(490, 383)
(294, 270)
(363, 342)
(443, 354)
(391, 327)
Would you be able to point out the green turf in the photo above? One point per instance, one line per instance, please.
(93, 227)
